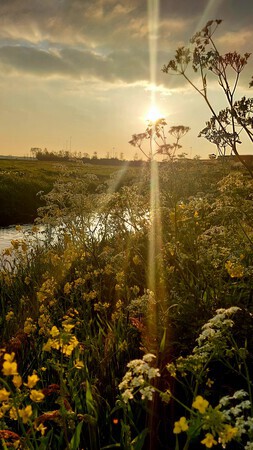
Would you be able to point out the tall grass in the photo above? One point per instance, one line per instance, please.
(92, 358)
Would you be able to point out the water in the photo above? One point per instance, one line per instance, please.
(10, 233)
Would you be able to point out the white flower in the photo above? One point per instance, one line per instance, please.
(147, 393)
(149, 357)
(137, 381)
(127, 395)
(152, 373)
(224, 401)
(240, 394)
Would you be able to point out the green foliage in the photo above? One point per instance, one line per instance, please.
(77, 306)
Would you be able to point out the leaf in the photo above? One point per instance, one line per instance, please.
(163, 341)
(138, 442)
(89, 401)
(75, 440)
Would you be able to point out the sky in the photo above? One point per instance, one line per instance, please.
(80, 75)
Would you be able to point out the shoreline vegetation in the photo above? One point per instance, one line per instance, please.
(23, 182)
(133, 332)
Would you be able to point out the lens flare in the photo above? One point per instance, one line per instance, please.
(154, 114)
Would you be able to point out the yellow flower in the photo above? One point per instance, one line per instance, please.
(4, 395)
(68, 348)
(67, 326)
(29, 326)
(17, 381)
(5, 407)
(9, 357)
(79, 364)
(13, 413)
(209, 383)
(54, 331)
(36, 396)
(227, 434)
(200, 404)
(180, 425)
(32, 380)
(209, 441)
(47, 346)
(10, 368)
(67, 288)
(234, 269)
(9, 316)
(25, 413)
(41, 428)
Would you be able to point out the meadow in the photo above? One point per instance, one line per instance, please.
(132, 329)
(22, 180)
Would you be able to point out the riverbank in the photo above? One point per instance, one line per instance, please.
(23, 183)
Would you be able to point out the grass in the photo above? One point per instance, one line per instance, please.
(20, 182)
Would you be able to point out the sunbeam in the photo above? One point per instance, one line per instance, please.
(209, 13)
(153, 22)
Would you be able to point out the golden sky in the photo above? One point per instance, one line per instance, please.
(81, 74)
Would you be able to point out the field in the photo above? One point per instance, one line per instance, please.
(132, 327)
(21, 181)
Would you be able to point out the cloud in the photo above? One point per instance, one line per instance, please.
(125, 66)
(107, 39)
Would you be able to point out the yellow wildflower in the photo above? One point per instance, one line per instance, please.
(9, 316)
(41, 428)
(13, 413)
(36, 396)
(25, 413)
(234, 269)
(4, 395)
(17, 381)
(47, 346)
(67, 288)
(10, 368)
(200, 404)
(180, 425)
(227, 434)
(54, 331)
(5, 407)
(67, 326)
(79, 364)
(67, 349)
(32, 380)
(9, 357)
(209, 441)
(29, 326)
(209, 383)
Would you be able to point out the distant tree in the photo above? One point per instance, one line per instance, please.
(34, 151)
(225, 127)
(155, 136)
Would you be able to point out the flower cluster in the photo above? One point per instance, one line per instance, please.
(63, 340)
(138, 378)
(13, 400)
(212, 421)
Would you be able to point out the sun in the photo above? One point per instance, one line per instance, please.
(154, 114)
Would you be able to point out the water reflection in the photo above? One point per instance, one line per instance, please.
(11, 233)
